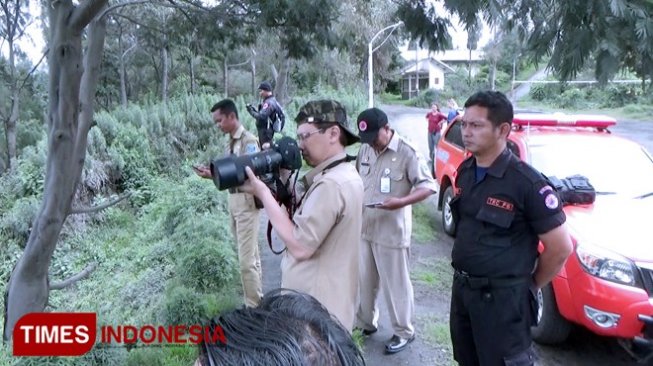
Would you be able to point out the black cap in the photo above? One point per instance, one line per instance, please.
(265, 86)
(369, 122)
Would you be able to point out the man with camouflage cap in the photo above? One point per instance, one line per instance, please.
(322, 239)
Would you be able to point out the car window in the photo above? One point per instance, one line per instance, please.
(454, 135)
(602, 162)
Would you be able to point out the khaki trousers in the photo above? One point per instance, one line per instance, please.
(386, 268)
(244, 226)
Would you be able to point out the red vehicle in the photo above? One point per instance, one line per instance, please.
(606, 285)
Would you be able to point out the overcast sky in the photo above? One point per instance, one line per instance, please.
(33, 44)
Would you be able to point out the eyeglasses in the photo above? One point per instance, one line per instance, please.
(304, 136)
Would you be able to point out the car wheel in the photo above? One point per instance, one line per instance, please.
(448, 224)
(551, 327)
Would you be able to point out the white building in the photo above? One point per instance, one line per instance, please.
(427, 70)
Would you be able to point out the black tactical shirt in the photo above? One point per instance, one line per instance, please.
(499, 217)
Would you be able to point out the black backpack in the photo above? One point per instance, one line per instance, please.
(574, 190)
(280, 121)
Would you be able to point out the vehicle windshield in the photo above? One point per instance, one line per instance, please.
(613, 166)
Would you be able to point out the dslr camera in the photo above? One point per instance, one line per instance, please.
(229, 172)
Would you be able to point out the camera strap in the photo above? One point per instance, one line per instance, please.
(287, 197)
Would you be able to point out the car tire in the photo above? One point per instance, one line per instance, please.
(551, 327)
(448, 225)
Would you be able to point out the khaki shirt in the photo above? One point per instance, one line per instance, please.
(395, 172)
(329, 220)
(242, 142)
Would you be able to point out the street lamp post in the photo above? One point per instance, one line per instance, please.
(369, 59)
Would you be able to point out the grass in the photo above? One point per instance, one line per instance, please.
(436, 333)
(435, 273)
(359, 339)
(424, 230)
(636, 112)
(394, 99)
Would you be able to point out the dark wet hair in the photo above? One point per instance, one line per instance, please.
(499, 108)
(287, 328)
(225, 106)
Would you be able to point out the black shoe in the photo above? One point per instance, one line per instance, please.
(367, 332)
(397, 344)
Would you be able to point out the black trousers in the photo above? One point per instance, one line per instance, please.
(265, 135)
(490, 325)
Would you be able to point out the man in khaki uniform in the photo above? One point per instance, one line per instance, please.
(395, 176)
(322, 239)
(242, 209)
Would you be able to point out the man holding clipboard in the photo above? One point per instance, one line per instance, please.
(395, 176)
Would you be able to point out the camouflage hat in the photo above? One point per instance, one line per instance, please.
(326, 111)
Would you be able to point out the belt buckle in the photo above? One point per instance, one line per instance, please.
(462, 273)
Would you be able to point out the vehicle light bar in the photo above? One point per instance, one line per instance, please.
(560, 119)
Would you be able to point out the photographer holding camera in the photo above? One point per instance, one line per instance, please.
(242, 207)
(268, 113)
(322, 238)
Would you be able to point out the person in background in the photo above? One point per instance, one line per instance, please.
(395, 177)
(435, 119)
(243, 212)
(453, 110)
(503, 208)
(267, 113)
(322, 238)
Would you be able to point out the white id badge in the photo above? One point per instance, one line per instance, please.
(385, 185)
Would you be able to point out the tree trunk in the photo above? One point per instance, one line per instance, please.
(164, 70)
(191, 66)
(123, 81)
(494, 75)
(253, 65)
(10, 125)
(281, 85)
(470, 67)
(225, 77)
(70, 113)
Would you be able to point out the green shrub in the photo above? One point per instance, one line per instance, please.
(29, 133)
(17, 222)
(538, 92)
(615, 96)
(145, 356)
(185, 306)
(425, 98)
(572, 98)
(207, 266)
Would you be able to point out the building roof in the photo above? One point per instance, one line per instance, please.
(457, 55)
(423, 67)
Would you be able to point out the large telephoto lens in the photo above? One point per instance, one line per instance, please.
(230, 171)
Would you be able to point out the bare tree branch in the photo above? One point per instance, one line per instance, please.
(22, 84)
(72, 279)
(87, 210)
(120, 5)
(85, 12)
(158, 30)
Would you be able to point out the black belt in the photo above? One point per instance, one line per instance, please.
(488, 282)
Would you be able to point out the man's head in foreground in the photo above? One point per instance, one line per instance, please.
(287, 328)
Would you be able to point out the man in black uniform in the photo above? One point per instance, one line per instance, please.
(502, 208)
(267, 113)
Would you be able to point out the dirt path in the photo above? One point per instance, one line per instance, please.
(431, 273)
